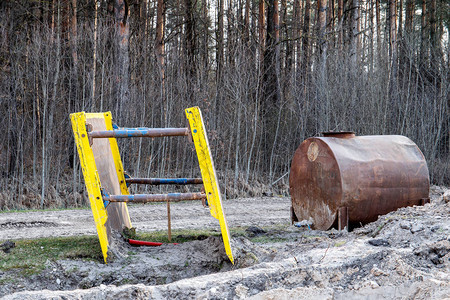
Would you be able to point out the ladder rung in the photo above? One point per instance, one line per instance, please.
(158, 181)
(142, 198)
(139, 132)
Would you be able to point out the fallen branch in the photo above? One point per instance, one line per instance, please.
(377, 231)
(324, 254)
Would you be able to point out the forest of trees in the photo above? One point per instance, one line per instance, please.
(266, 73)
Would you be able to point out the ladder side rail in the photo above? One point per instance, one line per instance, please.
(91, 178)
(210, 183)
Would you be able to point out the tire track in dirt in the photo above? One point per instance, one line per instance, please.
(149, 217)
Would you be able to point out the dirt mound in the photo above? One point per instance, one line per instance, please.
(404, 254)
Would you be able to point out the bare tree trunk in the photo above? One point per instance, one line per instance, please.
(272, 56)
(220, 40)
(423, 43)
(341, 24)
(286, 62)
(401, 41)
(160, 51)
(358, 29)
(247, 23)
(434, 40)
(321, 75)
(410, 9)
(393, 45)
(270, 81)
(261, 31)
(378, 17)
(121, 14)
(45, 130)
(52, 26)
(297, 33)
(322, 27)
(94, 59)
(74, 37)
(330, 21)
(231, 35)
(392, 28)
(190, 40)
(283, 31)
(400, 19)
(371, 35)
(74, 46)
(354, 35)
(205, 40)
(305, 43)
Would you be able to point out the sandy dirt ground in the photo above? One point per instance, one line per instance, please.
(146, 217)
(403, 255)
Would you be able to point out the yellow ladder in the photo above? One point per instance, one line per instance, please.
(100, 161)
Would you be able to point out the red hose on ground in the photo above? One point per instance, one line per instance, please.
(143, 243)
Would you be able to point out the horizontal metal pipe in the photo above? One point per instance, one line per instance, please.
(158, 181)
(143, 198)
(139, 132)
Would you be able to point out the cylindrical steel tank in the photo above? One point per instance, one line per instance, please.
(361, 177)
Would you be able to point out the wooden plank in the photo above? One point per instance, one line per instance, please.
(110, 171)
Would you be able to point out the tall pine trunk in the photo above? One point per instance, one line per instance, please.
(341, 24)
(297, 33)
(160, 51)
(121, 13)
(354, 19)
(220, 40)
(272, 56)
(322, 27)
(305, 43)
(190, 39)
(393, 48)
(261, 31)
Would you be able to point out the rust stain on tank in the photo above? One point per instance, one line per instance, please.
(367, 175)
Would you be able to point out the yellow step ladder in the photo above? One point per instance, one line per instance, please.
(106, 181)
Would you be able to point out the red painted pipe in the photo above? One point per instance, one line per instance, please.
(143, 243)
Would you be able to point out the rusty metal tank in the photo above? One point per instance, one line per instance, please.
(341, 179)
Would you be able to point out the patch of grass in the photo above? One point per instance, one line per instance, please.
(178, 235)
(185, 235)
(314, 237)
(238, 231)
(30, 256)
(341, 243)
(6, 280)
(268, 239)
(253, 257)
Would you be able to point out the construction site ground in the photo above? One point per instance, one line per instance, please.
(403, 255)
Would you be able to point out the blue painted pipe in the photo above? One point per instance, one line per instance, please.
(139, 132)
(142, 198)
(158, 181)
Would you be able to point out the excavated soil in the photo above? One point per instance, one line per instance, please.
(403, 255)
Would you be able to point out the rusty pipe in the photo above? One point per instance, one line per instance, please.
(139, 132)
(158, 181)
(143, 198)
